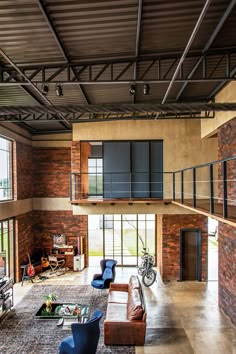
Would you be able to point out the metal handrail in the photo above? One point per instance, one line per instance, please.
(182, 189)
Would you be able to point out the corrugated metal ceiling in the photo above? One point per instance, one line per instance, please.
(43, 32)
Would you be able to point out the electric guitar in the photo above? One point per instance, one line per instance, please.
(30, 268)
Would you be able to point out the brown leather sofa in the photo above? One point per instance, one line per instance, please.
(125, 322)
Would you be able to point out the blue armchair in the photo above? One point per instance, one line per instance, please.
(103, 280)
(85, 337)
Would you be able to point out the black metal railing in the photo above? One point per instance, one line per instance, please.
(210, 186)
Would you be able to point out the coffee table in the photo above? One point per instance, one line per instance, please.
(70, 312)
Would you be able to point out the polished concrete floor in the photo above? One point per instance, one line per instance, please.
(182, 317)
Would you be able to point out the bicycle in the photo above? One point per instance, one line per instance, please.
(146, 268)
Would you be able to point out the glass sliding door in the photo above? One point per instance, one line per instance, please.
(130, 244)
(121, 237)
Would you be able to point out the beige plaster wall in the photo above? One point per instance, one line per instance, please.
(210, 126)
(14, 208)
(182, 144)
(51, 204)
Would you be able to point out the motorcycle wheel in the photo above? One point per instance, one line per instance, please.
(149, 277)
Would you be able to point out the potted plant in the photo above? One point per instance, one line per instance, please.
(49, 299)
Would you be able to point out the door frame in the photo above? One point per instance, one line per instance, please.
(199, 247)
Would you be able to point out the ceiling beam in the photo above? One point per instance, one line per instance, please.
(160, 69)
(190, 41)
(117, 108)
(19, 71)
(221, 85)
(137, 44)
(208, 44)
(59, 42)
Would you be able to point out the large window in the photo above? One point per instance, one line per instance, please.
(6, 180)
(6, 249)
(121, 237)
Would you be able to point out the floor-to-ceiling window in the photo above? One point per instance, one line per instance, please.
(6, 179)
(7, 248)
(121, 237)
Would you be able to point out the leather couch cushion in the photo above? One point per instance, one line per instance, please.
(134, 282)
(118, 296)
(134, 306)
(116, 312)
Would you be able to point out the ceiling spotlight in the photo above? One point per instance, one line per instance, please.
(59, 90)
(132, 90)
(146, 89)
(45, 89)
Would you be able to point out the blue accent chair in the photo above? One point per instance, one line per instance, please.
(103, 280)
(85, 337)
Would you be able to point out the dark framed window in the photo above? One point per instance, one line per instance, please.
(6, 170)
(95, 176)
(7, 249)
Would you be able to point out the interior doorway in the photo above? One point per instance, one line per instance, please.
(190, 254)
(212, 250)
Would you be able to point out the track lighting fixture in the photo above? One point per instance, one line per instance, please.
(59, 90)
(132, 89)
(45, 89)
(146, 89)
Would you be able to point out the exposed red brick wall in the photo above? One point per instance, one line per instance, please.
(34, 231)
(75, 167)
(46, 223)
(51, 172)
(159, 229)
(24, 170)
(24, 241)
(75, 156)
(85, 153)
(226, 149)
(171, 225)
(227, 270)
(227, 140)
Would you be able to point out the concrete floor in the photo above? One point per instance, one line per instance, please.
(182, 317)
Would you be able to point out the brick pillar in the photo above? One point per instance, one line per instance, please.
(227, 270)
(171, 226)
(76, 192)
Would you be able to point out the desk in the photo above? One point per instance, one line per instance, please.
(66, 253)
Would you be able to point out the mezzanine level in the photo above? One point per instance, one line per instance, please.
(209, 188)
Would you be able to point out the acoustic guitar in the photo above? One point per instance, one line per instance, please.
(44, 262)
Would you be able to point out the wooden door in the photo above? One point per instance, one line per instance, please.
(190, 254)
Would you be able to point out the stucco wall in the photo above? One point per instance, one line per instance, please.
(210, 126)
(182, 143)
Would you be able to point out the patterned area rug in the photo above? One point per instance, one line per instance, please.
(20, 333)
